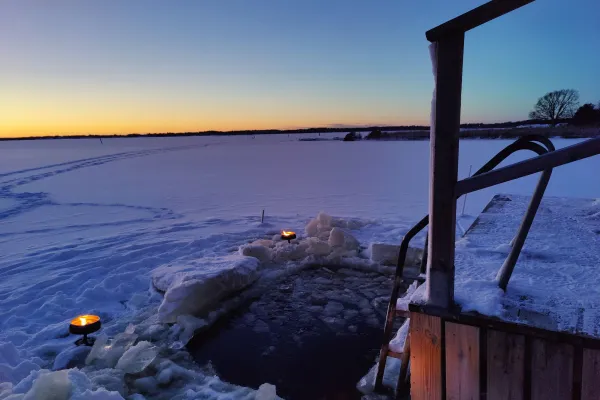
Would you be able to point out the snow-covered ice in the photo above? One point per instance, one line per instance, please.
(88, 228)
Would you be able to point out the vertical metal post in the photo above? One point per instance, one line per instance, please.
(465, 198)
(508, 266)
(444, 170)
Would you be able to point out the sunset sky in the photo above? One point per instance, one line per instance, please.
(72, 66)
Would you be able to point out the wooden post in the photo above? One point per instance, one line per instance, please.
(426, 357)
(444, 170)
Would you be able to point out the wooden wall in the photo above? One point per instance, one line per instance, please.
(456, 361)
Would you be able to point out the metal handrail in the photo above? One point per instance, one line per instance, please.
(566, 155)
(523, 143)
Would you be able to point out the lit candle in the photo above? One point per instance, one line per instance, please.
(84, 320)
(84, 325)
(288, 235)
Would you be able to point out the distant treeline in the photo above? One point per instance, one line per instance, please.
(570, 132)
(284, 131)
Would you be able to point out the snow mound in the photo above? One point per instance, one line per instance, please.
(195, 289)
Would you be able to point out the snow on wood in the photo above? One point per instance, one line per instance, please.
(556, 282)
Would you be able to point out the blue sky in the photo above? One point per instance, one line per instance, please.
(72, 66)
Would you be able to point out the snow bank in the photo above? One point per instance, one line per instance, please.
(194, 289)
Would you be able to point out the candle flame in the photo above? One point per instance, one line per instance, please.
(83, 320)
(287, 233)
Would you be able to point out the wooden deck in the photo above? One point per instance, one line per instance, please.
(533, 344)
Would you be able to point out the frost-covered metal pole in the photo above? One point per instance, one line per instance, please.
(447, 58)
(465, 198)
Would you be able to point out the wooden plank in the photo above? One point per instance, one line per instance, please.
(590, 379)
(425, 357)
(462, 362)
(472, 19)
(474, 319)
(551, 370)
(444, 171)
(505, 365)
(579, 151)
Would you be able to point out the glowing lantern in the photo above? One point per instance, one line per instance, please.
(288, 235)
(84, 325)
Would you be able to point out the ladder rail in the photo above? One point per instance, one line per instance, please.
(536, 143)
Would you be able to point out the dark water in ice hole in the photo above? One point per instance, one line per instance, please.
(314, 335)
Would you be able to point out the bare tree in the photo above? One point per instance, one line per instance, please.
(556, 105)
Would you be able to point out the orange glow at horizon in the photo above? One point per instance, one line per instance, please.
(49, 110)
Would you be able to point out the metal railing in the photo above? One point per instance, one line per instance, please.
(536, 143)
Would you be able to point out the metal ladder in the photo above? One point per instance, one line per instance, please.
(536, 143)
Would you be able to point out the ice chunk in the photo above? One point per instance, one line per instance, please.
(402, 302)
(333, 308)
(366, 384)
(262, 253)
(71, 357)
(190, 325)
(146, 385)
(397, 343)
(137, 358)
(193, 290)
(336, 237)
(261, 327)
(121, 343)
(169, 371)
(290, 252)
(57, 385)
(165, 376)
(324, 220)
(97, 349)
(266, 391)
(263, 242)
(318, 247)
(340, 238)
(108, 378)
(50, 386)
(101, 394)
(387, 254)
(312, 228)
(107, 353)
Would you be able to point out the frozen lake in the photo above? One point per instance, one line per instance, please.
(83, 224)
